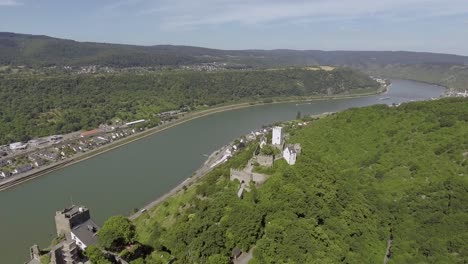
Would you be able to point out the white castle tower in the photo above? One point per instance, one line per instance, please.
(277, 138)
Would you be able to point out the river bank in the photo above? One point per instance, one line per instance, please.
(12, 182)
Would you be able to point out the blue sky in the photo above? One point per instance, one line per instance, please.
(416, 25)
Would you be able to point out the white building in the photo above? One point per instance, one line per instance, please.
(18, 145)
(263, 142)
(290, 155)
(277, 138)
(38, 142)
(465, 94)
(135, 122)
(4, 174)
(85, 234)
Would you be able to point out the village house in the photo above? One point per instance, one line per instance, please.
(56, 138)
(91, 133)
(290, 153)
(4, 174)
(38, 162)
(38, 142)
(84, 235)
(23, 169)
(101, 141)
(48, 155)
(32, 157)
(135, 122)
(18, 146)
(263, 142)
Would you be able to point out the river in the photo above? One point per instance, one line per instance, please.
(135, 174)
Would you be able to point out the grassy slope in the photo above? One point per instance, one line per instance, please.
(364, 174)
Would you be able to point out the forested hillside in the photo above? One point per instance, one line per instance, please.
(447, 75)
(43, 51)
(39, 105)
(364, 176)
(34, 50)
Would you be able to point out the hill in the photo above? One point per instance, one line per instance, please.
(364, 176)
(43, 51)
(447, 75)
(22, 49)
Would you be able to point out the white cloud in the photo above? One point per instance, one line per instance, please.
(179, 14)
(121, 4)
(9, 3)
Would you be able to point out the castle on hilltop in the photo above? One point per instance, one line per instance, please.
(76, 231)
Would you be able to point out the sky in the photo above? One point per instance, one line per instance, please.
(413, 25)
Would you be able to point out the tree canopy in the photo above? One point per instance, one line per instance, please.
(96, 256)
(116, 232)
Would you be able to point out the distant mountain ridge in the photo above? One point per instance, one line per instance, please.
(39, 50)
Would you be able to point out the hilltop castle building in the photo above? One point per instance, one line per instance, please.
(78, 230)
(277, 137)
(75, 224)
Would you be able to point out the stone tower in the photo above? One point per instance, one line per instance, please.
(69, 218)
(34, 252)
(277, 138)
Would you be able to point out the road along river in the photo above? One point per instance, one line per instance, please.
(135, 174)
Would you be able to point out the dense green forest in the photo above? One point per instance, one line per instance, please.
(39, 105)
(364, 176)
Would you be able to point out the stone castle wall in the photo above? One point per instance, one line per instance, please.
(258, 178)
(240, 175)
(265, 160)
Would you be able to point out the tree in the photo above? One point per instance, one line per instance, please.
(116, 232)
(269, 150)
(138, 261)
(96, 256)
(45, 259)
(218, 259)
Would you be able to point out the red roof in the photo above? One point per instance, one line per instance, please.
(90, 132)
